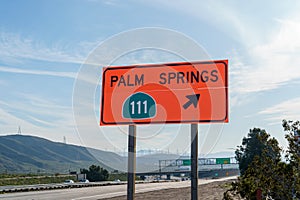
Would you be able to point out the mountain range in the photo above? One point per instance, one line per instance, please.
(30, 154)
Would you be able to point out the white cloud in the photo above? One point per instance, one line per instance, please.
(33, 108)
(274, 63)
(111, 2)
(38, 116)
(6, 119)
(14, 47)
(270, 44)
(38, 72)
(286, 110)
(230, 18)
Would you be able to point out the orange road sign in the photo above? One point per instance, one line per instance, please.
(185, 92)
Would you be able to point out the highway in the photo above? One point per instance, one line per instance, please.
(101, 192)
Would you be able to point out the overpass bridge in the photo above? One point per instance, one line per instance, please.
(207, 167)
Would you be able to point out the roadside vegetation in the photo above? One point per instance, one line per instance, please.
(97, 173)
(93, 174)
(267, 171)
(117, 176)
(31, 179)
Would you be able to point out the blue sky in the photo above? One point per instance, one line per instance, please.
(43, 45)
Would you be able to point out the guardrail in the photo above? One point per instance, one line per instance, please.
(29, 188)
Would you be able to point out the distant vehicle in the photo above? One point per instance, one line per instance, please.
(84, 181)
(117, 181)
(183, 168)
(69, 182)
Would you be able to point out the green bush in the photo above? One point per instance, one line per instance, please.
(261, 166)
(95, 173)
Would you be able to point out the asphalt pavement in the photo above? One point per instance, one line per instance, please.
(99, 192)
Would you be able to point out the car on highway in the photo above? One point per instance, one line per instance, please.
(84, 181)
(68, 182)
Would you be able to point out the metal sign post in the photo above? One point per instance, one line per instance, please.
(131, 162)
(194, 160)
(183, 92)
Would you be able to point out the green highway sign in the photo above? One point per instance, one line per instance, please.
(222, 160)
(186, 162)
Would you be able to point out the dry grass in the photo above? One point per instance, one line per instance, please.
(211, 191)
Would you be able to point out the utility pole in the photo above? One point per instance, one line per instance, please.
(19, 130)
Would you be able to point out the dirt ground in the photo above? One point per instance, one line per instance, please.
(211, 191)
